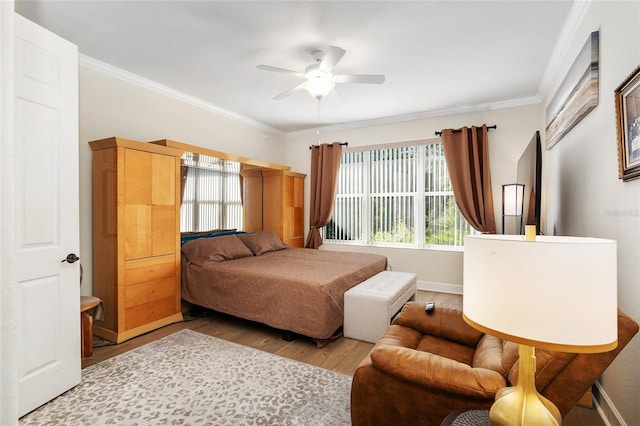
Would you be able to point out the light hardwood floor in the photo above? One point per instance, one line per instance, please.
(342, 355)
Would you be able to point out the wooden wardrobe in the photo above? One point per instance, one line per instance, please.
(136, 236)
(273, 200)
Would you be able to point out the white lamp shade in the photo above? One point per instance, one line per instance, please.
(557, 293)
(513, 195)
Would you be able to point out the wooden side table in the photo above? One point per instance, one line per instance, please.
(87, 306)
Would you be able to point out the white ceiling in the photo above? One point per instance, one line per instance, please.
(436, 55)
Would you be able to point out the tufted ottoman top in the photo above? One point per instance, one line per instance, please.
(387, 285)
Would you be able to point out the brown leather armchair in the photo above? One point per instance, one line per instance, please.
(426, 366)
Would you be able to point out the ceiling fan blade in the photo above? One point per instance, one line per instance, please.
(333, 98)
(280, 70)
(360, 78)
(290, 91)
(331, 58)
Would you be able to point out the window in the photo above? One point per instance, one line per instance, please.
(398, 195)
(212, 194)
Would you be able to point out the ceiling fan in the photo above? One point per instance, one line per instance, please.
(319, 76)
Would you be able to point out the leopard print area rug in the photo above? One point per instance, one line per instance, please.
(189, 378)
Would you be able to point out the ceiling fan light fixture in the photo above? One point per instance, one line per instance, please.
(319, 84)
(320, 79)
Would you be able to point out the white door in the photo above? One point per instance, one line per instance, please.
(46, 131)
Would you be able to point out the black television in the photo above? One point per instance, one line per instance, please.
(529, 171)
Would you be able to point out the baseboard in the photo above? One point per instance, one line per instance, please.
(610, 415)
(440, 287)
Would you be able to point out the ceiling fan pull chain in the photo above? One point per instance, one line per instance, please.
(318, 121)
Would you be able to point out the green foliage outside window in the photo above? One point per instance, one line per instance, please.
(378, 199)
(445, 229)
(400, 233)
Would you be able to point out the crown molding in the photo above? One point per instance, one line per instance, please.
(145, 83)
(417, 116)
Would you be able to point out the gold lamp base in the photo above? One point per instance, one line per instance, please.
(522, 404)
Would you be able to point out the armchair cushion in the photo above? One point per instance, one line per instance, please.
(495, 354)
(437, 372)
(443, 323)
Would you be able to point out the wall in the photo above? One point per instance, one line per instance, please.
(112, 106)
(437, 269)
(585, 196)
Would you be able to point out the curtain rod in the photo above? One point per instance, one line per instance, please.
(459, 130)
(341, 144)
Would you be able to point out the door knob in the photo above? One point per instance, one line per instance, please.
(71, 258)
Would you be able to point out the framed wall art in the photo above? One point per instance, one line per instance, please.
(627, 98)
(577, 95)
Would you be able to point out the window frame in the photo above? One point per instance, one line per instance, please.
(419, 196)
(216, 169)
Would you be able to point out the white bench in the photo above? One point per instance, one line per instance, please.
(370, 306)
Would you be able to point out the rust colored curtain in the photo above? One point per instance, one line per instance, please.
(466, 152)
(325, 165)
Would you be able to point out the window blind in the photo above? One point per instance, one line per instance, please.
(398, 195)
(212, 196)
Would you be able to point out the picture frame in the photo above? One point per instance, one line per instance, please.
(627, 101)
(578, 93)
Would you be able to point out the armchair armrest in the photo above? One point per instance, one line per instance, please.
(443, 322)
(436, 372)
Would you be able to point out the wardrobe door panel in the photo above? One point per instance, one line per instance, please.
(137, 230)
(163, 180)
(137, 177)
(164, 229)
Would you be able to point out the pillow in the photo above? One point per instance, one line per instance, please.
(262, 242)
(188, 236)
(218, 249)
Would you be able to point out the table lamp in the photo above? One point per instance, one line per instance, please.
(555, 293)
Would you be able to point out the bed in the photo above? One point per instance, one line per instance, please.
(256, 276)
